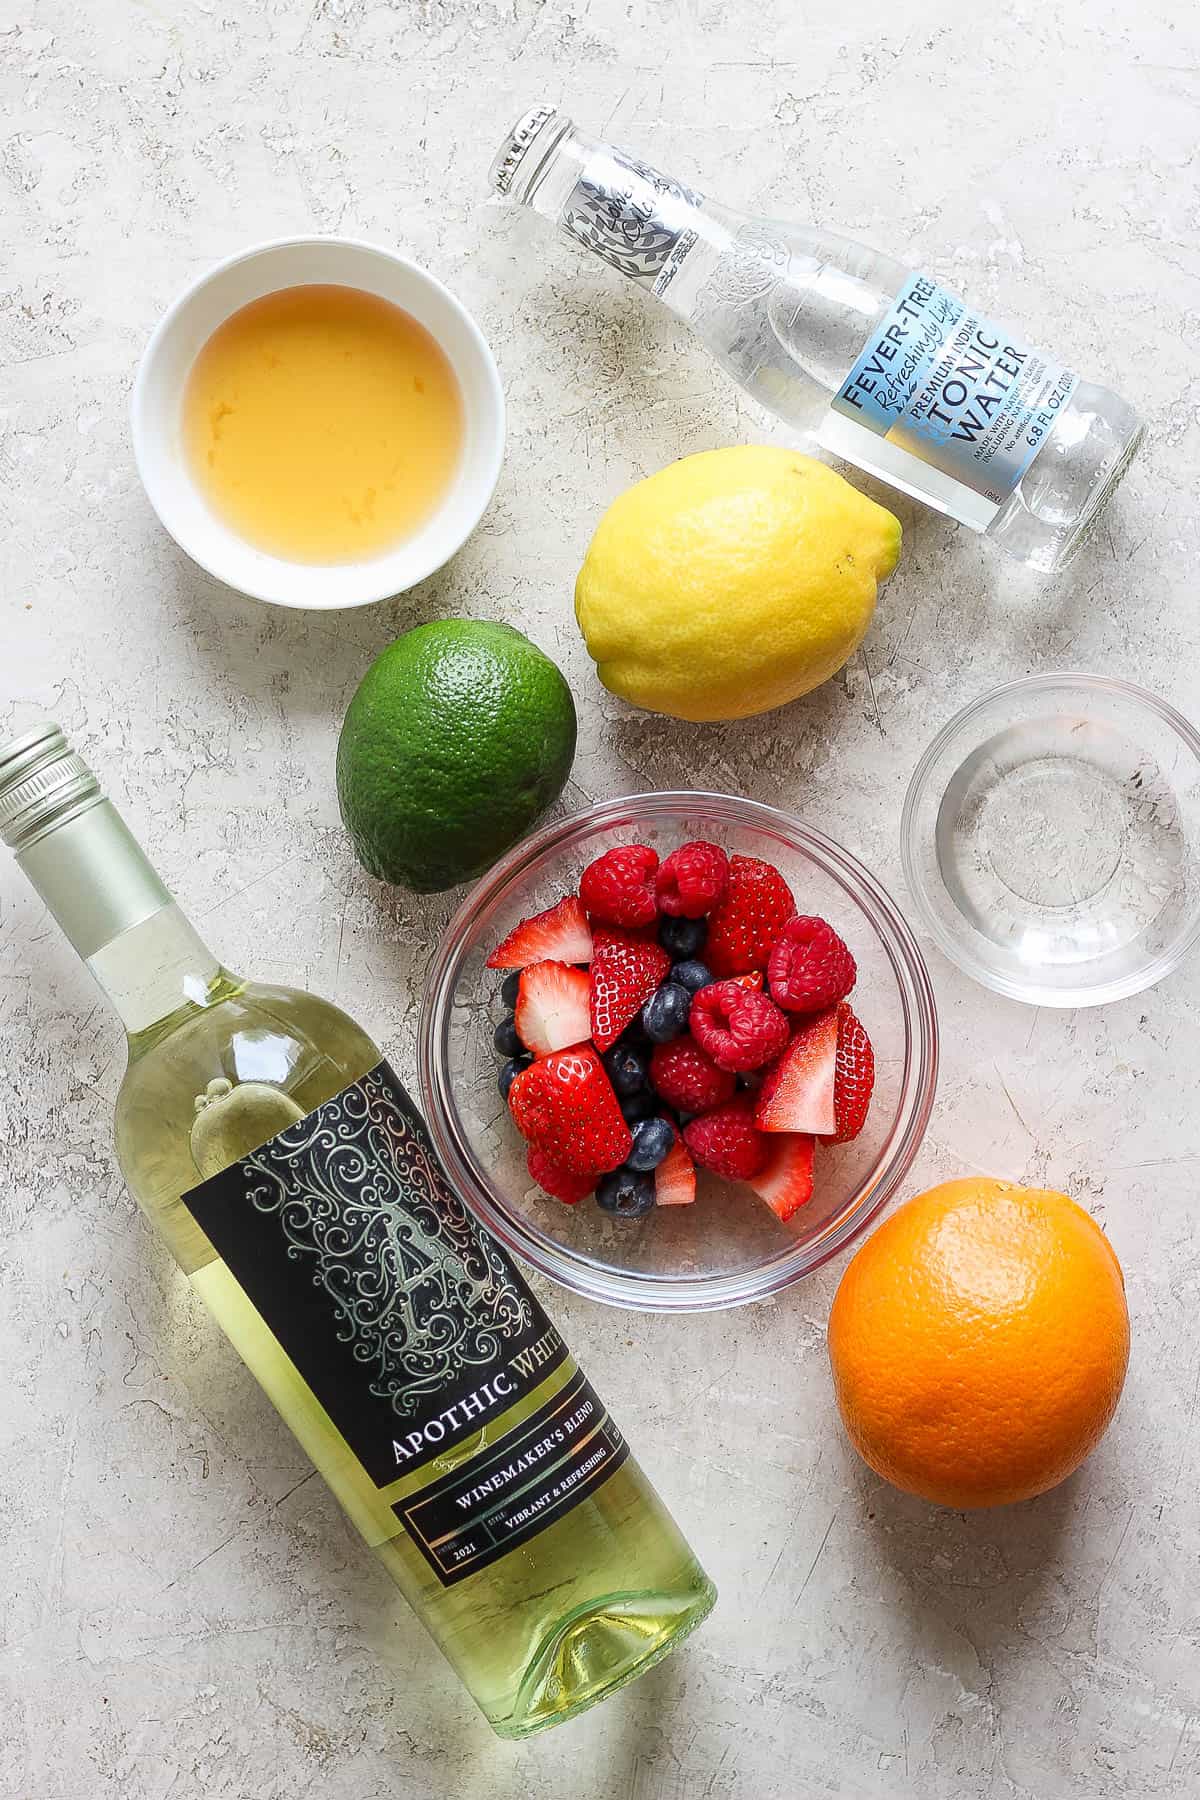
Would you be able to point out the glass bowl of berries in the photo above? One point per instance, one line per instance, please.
(676, 1050)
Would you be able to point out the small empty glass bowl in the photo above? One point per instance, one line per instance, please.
(727, 1247)
(1049, 838)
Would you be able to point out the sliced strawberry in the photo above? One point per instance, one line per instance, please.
(564, 1105)
(787, 1180)
(753, 981)
(626, 969)
(854, 1077)
(797, 1092)
(552, 1178)
(560, 934)
(743, 927)
(552, 1007)
(675, 1177)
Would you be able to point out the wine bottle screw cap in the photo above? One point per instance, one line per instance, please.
(42, 783)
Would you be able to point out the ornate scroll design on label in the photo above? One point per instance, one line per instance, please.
(632, 216)
(420, 1295)
(410, 1325)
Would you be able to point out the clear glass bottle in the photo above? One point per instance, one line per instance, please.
(292, 1179)
(888, 369)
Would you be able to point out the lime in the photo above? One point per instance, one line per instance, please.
(460, 735)
(731, 582)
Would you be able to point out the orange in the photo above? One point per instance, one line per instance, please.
(979, 1341)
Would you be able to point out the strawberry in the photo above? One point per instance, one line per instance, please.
(675, 1177)
(552, 1007)
(822, 1083)
(626, 970)
(727, 1142)
(739, 1027)
(854, 1077)
(618, 888)
(744, 925)
(810, 967)
(797, 1094)
(787, 1180)
(560, 934)
(564, 1184)
(564, 1105)
(685, 1077)
(753, 981)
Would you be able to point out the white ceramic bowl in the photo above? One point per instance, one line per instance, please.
(158, 404)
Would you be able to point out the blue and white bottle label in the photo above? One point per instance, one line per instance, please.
(942, 385)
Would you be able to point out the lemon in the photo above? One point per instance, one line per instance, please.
(731, 582)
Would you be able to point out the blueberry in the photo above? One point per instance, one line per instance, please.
(508, 990)
(637, 1106)
(665, 1014)
(509, 1072)
(625, 1194)
(505, 1038)
(626, 1067)
(652, 1140)
(691, 975)
(683, 937)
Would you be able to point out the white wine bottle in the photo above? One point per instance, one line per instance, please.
(293, 1180)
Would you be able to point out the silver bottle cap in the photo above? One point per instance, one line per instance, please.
(42, 783)
(72, 843)
(638, 220)
(512, 151)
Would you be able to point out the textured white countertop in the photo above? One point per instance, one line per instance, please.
(185, 1614)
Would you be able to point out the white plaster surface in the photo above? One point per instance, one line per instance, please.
(185, 1614)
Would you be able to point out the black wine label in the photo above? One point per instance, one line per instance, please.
(525, 1481)
(408, 1322)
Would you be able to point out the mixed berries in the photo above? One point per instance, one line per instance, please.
(673, 1015)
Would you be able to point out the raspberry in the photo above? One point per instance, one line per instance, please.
(564, 1184)
(687, 1079)
(692, 880)
(727, 1141)
(738, 1027)
(809, 967)
(618, 888)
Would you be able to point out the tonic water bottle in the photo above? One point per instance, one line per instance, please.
(292, 1178)
(889, 369)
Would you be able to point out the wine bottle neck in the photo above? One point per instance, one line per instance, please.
(638, 220)
(155, 969)
(91, 872)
